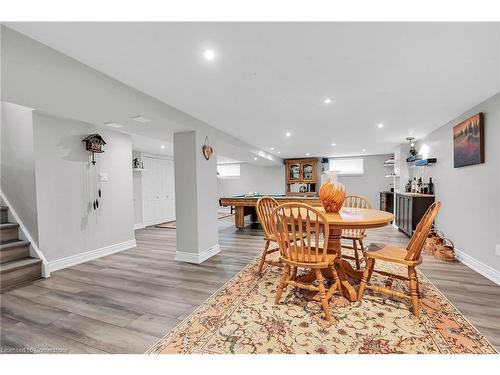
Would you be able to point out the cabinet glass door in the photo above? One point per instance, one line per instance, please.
(307, 172)
(294, 172)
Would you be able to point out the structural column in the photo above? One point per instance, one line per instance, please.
(195, 198)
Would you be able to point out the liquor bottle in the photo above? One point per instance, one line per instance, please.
(419, 185)
(431, 186)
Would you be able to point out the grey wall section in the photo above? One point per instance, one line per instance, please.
(137, 178)
(254, 179)
(470, 195)
(373, 180)
(18, 164)
(196, 195)
(68, 226)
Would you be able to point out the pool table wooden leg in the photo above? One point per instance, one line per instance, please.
(239, 217)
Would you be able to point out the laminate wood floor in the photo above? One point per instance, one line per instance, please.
(124, 303)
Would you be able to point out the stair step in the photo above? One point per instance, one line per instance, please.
(4, 214)
(9, 232)
(14, 250)
(19, 271)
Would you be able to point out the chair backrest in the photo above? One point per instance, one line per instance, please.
(264, 208)
(301, 231)
(355, 201)
(422, 230)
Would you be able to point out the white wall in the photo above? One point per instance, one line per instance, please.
(69, 228)
(17, 175)
(470, 195)
(253, 179)
(372, 181)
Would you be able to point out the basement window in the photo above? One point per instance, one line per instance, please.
(228, 170)
(346, 166)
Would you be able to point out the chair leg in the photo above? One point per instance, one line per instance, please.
(412, 275)
(322, 294)
(336, 285)
(367, 274)
(263, 258)
(282, 284)
(356, 255)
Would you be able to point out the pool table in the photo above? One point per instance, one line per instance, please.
(245, 204)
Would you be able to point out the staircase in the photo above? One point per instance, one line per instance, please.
(16, 264)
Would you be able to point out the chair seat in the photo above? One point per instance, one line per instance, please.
(308, 262)
(389, 253)
(271, 237)
(353, 236)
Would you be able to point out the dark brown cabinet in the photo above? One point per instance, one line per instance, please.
(387, 201)
(409, 210)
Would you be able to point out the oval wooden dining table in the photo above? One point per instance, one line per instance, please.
(350, 218)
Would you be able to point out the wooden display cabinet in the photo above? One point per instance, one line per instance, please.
(301, 172)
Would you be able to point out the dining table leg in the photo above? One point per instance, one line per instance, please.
(342, 266)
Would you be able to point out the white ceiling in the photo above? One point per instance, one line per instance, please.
(269, 78)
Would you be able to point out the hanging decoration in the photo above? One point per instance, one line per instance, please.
(94, 143)
(207, 149)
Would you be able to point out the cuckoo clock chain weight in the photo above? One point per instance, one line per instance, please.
(207, 149)
(93, 144)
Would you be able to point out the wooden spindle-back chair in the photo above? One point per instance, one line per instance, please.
(355, 235)
(410, 257)
(264, 208)
(302, 234)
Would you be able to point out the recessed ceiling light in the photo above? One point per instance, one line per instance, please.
(288, 134)
(327, 101)
(272, 148)
(255, 158)
(140, 119)
(209, 54)
(307, 154)
(279, 152)
(113, 125)
(380, 126)
(334, 144)
(363, 150)
(162, 146)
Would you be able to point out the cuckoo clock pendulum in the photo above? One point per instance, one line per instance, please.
(93, 144)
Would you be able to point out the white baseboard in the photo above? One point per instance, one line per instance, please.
(90, 255)
(197, 258)
(479, 267)
(139, 226)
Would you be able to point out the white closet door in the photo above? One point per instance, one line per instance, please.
(149, 191)
(170, 190)
(158, 191)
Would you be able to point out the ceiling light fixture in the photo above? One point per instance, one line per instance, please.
(364, 150)
(272, 148)
(380, 126)
(141, 119)
(279, 152)
(327, 101)
(255, 158)
(334, 144)
(288, 134)
(209, 54)
(307, 154)
(162, 147)
(113, 125)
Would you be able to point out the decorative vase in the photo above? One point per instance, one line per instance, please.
(331, 192)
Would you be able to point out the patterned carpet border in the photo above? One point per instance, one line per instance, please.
(215, 334)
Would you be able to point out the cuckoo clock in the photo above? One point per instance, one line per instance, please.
(94, 143)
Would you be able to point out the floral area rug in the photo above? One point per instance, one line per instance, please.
(242, 318)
